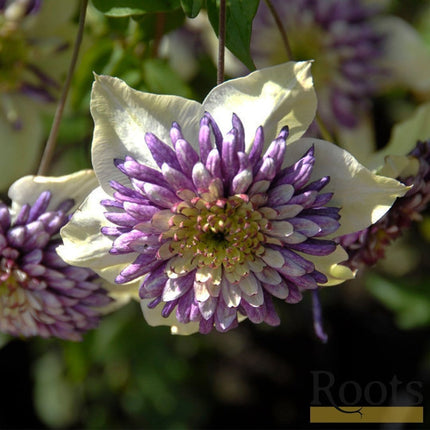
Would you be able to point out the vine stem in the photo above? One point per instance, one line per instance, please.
(159, 30)
(281, 30)
(52, 139)
(221, 43)
(325, 133)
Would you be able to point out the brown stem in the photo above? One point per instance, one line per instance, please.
(159, 30)
(325, 133)
(281, 30)
(52, 139)
(221, 42)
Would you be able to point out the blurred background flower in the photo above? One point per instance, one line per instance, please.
(340, 36)
(35, 45)
(360, 52)
(40, 294)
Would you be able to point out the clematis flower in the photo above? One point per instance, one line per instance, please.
(40, 294)
(406, 157)
(340, 37)
(214, 209)
(359, 52)
(35, 41)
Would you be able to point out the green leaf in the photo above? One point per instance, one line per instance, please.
(191, 8)
(122, 8)
(161, 79)
(51, 385)
(410, 303)
(4, 339)
(239, 16)
(148, 23)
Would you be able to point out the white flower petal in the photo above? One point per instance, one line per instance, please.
(330, 265)
(273, 98)
(362, 196)
(75, 186)
(154, 318)
(84, 244)
(399, 166)
(121, 294)
(404, 136)
(123, 116)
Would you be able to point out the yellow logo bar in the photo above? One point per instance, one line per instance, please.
(366, 414)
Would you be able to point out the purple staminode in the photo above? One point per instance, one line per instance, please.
(368, 246)
(40, 294)
(220, 231)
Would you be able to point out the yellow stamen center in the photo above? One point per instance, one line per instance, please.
(224, 234)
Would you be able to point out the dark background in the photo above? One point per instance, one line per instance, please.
(252, 377)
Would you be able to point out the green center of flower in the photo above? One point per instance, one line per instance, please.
(224, 234)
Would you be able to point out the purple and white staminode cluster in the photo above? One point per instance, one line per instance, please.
(220, 232)
(367, 247)
(339, 35)
(40, 294)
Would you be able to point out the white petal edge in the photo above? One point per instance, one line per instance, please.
(272, 97)
(123, 116)
(330, 265)
(75, 186)
(404, 136)
(363, 196)
(121, 295)
(154, 318)
(84, 245)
